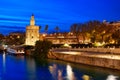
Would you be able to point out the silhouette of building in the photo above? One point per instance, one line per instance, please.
(32, 33)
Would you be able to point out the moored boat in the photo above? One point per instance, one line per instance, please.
(15, 50)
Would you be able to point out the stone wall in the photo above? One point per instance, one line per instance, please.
(101, 50)
(95, 61)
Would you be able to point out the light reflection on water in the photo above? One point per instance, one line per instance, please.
(112, 77)
(82, 72)
(26, 68)
(31, 69)
(53, 70)
(4, 62)
(58, 74)
(70, 73)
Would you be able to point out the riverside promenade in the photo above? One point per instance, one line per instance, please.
(102, 57)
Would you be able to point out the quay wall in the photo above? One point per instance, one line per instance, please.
(101, 50)
(94, 61)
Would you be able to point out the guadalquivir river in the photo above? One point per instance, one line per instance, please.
(26, 68)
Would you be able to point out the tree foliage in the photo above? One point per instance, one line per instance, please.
(116, 36)
(96, 31)
(42, 48)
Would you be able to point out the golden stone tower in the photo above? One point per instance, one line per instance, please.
(32, 33)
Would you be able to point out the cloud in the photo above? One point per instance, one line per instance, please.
(11, 27)
(7, 29)
(13, 19)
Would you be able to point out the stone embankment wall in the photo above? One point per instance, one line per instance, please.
(95, 61)
(101, 50)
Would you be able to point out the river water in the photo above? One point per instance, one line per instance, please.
(27, 68)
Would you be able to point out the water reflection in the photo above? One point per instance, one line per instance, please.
(70, 73)
(4, 62)
(53, 71)
(86, 77)
(31, 68)
(58, 74)
(22, 68)
(3, 67)
(112, 77)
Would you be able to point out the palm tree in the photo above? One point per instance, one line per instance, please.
(40, 28)
(57, 29)
(46, 28)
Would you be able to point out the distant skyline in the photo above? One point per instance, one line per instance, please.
(15, 14)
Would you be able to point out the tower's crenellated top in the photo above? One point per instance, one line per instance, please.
(32, 20)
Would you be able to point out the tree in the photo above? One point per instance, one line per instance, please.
(105, 32)
(40, 27)
(116, 36)
(93, 29)
(75, 29)
(57, 29)
(83, 31)
(1, 38)
(46, 28)
(96, 31)
(42, 48)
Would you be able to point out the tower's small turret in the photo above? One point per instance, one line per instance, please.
(32, 20)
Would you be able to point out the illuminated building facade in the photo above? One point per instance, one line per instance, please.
(61, 38)
(32, 33)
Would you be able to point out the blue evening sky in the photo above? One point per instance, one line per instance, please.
(15, 14)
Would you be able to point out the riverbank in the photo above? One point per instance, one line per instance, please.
(94, 57)
(94, 50)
